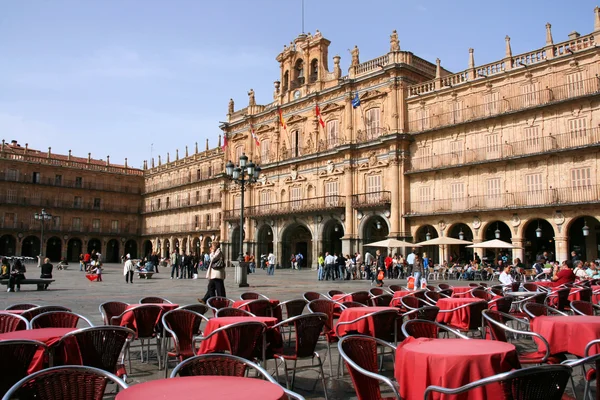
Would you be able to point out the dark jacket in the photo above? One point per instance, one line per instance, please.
(46, 271)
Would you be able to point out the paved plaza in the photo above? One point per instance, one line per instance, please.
(73, 290)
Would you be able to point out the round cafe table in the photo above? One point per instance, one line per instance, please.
(204, 387)
(567, 334)
(451, 363)
(459, 318)
(364, 326)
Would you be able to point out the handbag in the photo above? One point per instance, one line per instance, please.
(380, 276)
(219, 264)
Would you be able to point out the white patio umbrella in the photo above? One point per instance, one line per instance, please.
(443, 241)
(494, 244)
(392, 243)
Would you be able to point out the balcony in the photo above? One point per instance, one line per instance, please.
(182, 228)
(509, 102)
(196, 202)
(301, 206)
(370, 200)
(507, 201)
(65, 204)
(173, 183)
(512, 150)
(24, 178)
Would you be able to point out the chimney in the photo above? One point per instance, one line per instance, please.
(196, 147)
(206, 144)
(49, 151)
(186, 150)
(26, 147)
(107, 160)
(574, 35)
(69, 158)
(152, 162)
(89, 158)
(159, 161)
(176, 154)
(126, 162)
(3, 142)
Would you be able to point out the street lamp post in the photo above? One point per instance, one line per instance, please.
(243, 174)
(42, 217)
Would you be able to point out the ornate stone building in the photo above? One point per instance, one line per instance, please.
(94, 204)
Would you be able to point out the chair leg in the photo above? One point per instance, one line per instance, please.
(329, 358)
(294, 374)
(322, 374)
(142, 350)
(276, 370)
(285, 370)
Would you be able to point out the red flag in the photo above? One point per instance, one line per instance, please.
(281, 120)
(224, 142)
(318, 112)
(254, 135)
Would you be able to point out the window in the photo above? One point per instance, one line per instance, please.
(76, 224)
(265, 148)
(209, 171)
(198, 174)
(10, 220)
(236, 203)
(423, 119)
(457, 193)
(457, 107)
(207, 220)
(373, 188)
(296, 143)
(196, 221)
(77, 202)
(578, 128)
(456, 150)
(158, 204)
(332, 133)
(12, 175)
(58, 180)
(189, 198)
(331, 193)
(56, 222)
(95, 225)
(581, 177)
(529, 92)
(35, 177)
(424, 197)
(209, 194)
(78, 182)
(372, 123)
(492, 145)
(96, 203)
(11, 196)
(296, 197)
(114, 226)
(493, 193)
(575, 84)
(167, 203)
(532, 138)
(238, 152)
(535, 194)
(265, 200)
(490, 101)
(197, 197)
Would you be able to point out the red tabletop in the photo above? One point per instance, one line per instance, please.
(567, 334)
(595, 297)
(219, 342)
(451, 363)
(49, 336)
(462, 291)
(129, 321)
(459, 318)
(19, 312)
(364, 326)
(241, 304)
(195, 387)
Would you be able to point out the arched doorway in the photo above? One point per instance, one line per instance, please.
(333, 231)
(196, 247)
(54, 248)
(31, 247)
(586, 246)
(167, 253)
(94, 244)
(8, 245)
(427, 232)
(535, 245)
(148, 247)
(374, 229)
(112, 252)
(176, 245)
(206, 243)
(235, 244)
(74, 249)
(184, 246)
(265, 241)
(497, 230)
(296, 239)
(131, 248)
(461, 252)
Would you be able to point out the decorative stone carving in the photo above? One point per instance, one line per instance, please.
(355, 53)
(251, 99)
(476, 223)
(394, 42)
(230, 109)
(559, 220)
(442, 225)
(330, 166)
(372, 159)
(515, 221)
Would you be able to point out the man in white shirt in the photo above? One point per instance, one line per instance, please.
(410, 260)
(271, 260)
(329, 264)
(505, 277)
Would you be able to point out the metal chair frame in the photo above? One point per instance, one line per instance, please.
(218, 298)
(308, 296)
(328, 335)
(152, 300)
(105, 316)
(33, 312)
(254, 296)
(11, 367)
(251, 303)
(14, 318)
(577, 310)
(22, 306)
(587, 359)
(57, 313)
(234, 325)
(549, 310)
(141, 339)
(222, 312)
(173, 335)
(468, 305)
(439, 326)
(385, 298)
(195, 308)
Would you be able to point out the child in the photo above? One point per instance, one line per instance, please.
(97, 269)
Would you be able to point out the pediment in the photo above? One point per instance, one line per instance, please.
(239, 136)
(331, 107)
(264, 128)
(295, 119)
(372, 94)
(291, 179)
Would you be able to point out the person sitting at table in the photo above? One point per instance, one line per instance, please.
(16, 276)
(593, 271)
(580, 269)
(505, 277)
(562, 276)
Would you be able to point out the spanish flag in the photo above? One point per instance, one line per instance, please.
(318, 113)
(281, 120)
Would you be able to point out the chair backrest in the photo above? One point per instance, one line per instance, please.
(197, 308)
(534, 310)
(503, 304)
(333, 292)
(428, 313)
(245, 339)
(444, 286)
(361, 351)
(70, 382)
(514, 287)
(326, 307)
(431, 288)
(475, 314)
(111, 309)
(395, 288)
(582, 307)
(31, 313)
(293, 307)
(496, 332)
(308, 329)
(218, 364)
(497, 291)
(530, 286)
(310, 296)
(474, 285)
(260, 307)
(146, 317)
(447, 292)
(252, 296)
(361, 297)
(384, 324)
(154, 300)
(563, 298)
(16, 356)
(233, 312)
(586, 294)
(99, 346)
(527, 383)
(433, 297)
(217, 302)
(184, 326)
(22, 306)
(412, 303)
(419, 294)
(483, 284)
(351, 304)
(481, 294)
(12, 322)
(419, 328)
(383, 300)
(58, 319)
(377, 291)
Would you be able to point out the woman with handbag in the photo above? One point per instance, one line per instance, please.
(215, 273)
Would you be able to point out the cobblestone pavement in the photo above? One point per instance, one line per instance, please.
(73, 290)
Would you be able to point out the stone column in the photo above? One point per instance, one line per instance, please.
(394, 103)
(396, 206)
(518, 253)
(562, 251)
(350, 115)
(349, 232)
(402, 108)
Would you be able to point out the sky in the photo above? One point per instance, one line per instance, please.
(138, 78)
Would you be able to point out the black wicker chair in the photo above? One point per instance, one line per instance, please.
(16, 356)
(12, 322)
(58, 319)
(111, 309)
(421, 328)
(233, 312)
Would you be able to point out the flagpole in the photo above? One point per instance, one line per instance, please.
(303, 16)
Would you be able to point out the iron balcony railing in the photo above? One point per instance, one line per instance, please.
(309, 205)
(372, 199)
(71, 184)
(538, 198)
(182, 228)
(530, 146)
(68, 229)
(194, 202)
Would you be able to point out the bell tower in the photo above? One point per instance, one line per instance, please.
(303, 66)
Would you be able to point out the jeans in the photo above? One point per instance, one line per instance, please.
(252, 267)
(342, 272)
(174, 271)
(320, 273)
(271, 270)
(129, 277)
(329, 272)
(81, 265)
(417, 276)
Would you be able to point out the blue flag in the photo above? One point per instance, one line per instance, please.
(355, 101)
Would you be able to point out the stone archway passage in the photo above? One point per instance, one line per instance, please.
(131, 248)
(296, 239)
(265, 241)
(94, 244)
(432, 252)
(586, 247)
(8, 245)
(536, 246)
(332, 238)
(147, 247)
(74, 249)
(31, 246)
(460, 253)
(112, 252)
(54, 249)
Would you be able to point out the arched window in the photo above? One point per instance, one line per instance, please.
(314, 70)
(298, 74)
(265, 148)
(332, 133)
(286, 80)
(372, 123)
(296, 144)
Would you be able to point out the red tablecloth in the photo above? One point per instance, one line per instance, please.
(340, 298)
(219, 342)
(129, 321)
(544, 283)
(595, 297)
(462, 291)
(567, 334)
(364, 326)
(197, 387)
(44, 335)
(18, 312)
(92, 277)
(458, 318)
(274, 303)
(398, 295)
(451, 363)
(574, 294)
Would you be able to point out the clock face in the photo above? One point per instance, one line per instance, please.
(297, 94)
